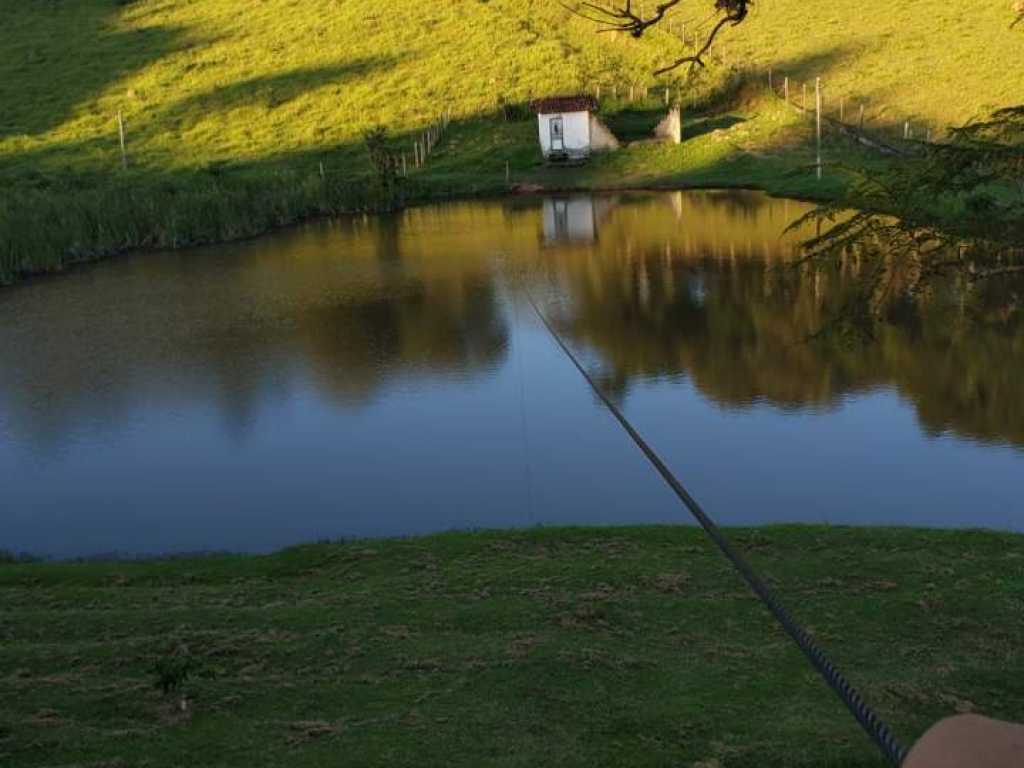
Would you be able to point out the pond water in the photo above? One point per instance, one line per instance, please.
(380, 376)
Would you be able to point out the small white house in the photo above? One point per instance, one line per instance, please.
(569, 130)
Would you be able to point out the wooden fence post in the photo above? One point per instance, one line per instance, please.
(817, 94)
(120, 134)
(785, 89)
(322, 170)
(803, 101)
(771, 86)
(862, 116)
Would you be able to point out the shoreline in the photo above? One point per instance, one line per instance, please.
(461, 196)
(152, 210)
(24, 558)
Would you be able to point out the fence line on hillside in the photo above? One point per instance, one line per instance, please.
(425, 144)
(911, 136)
(906, 143)
(830, 112)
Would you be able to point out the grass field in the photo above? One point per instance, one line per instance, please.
(549, 647)
(230, 108)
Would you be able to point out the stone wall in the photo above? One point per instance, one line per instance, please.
(601, 139)
(671, 128)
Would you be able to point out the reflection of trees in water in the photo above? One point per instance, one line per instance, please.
(414, 329)
(241, 327)
(419, 323)
(675, 283)
(744, 332)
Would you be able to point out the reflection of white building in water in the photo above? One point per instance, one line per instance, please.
(569, 219)
(575, 218)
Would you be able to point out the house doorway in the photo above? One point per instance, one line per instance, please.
(557, 135)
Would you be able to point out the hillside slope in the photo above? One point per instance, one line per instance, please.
(224, 79)
(221, 94)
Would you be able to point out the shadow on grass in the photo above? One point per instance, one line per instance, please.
(61, 55)
(635, 123)
(705, 125)
(267, 92)
(91, 160)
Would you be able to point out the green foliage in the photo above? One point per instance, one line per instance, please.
(47, 229)
(386, 165)
(514, 111)
(906, 228)
(173, 669)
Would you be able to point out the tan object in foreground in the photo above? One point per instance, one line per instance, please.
(969, 741)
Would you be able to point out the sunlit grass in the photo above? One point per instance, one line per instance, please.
(220, 81)
(259, 95)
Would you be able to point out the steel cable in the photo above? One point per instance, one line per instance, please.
(872, 724)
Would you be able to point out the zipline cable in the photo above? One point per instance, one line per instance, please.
(873, 725)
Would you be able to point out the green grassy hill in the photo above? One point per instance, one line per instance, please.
(231, 107)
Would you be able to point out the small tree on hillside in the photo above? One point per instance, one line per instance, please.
(385, 164)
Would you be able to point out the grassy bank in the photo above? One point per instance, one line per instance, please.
(230, 110)
(548, 647)
(47, 229)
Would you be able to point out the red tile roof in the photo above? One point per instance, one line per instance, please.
(556, 104)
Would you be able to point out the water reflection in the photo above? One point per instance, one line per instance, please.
(726, 305)
(335, 305)
(383, 376)
(575, 218)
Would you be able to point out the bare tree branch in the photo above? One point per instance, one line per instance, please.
(624, 18)
(697, 59)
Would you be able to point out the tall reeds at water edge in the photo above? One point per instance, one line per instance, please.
(44, 230)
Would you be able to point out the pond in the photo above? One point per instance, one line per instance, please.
(380, 376)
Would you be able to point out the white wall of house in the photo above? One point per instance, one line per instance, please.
(575, 128)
